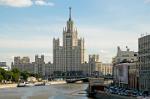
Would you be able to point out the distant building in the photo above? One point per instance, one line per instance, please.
(4, 66)
(70, 56)
(144, 63)
(39, 65)
(93, 64)
(96, 68)
(36, 67)
(23, 64)
(49, 70)
(105, 69)
(125, 56)
(124, 68)
(133, 74)
(86, 69)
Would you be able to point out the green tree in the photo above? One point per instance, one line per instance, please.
(25, 75)
(15, 70)
(2, 71)
(2, 74)
(8, 75)
(1, 77)
(15, 75)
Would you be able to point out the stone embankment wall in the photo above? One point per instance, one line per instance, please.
(8, 85)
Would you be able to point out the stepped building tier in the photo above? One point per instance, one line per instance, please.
(69, 56)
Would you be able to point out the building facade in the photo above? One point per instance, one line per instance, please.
(94, 62)
(133, 74)
(4, 66)
(23, 64)
(144, 62)
(125, 56)
(39, 65)
(69, 56)
(96, 68)
(124, 66)
(105, 69)
(49, 70)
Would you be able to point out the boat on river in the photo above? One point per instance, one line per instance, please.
(21, 84)
(29, 84)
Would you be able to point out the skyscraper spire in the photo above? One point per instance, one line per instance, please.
(69, 13)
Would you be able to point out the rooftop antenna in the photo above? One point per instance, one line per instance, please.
(70, 13)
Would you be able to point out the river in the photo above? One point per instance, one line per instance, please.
(65, 91)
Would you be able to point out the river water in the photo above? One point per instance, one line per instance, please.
(65, 91)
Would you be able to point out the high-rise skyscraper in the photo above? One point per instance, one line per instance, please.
(144, 63)
(69, 56)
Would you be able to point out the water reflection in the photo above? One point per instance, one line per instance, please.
(66, 91)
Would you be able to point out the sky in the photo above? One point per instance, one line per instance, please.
(27, 27)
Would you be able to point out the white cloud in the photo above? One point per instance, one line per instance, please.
(25, 3)
(33, 43)
(146, 1)
(107, 40)
(29, 47)
(43, 3)
(16, 3)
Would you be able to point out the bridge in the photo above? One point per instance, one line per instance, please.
(86, 79)
(79, 79)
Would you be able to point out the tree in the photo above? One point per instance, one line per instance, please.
(37, 76)
(15, 70)
(2, 71)
(25, 75)
(8, 75)
(1, 78)
(15, 77)
(16, 74)
(2, 74)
